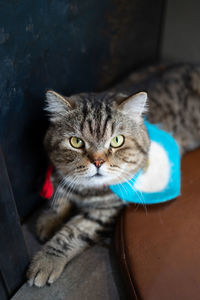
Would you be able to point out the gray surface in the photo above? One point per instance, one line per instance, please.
(89, 276)
(92, 275)
(181, 39)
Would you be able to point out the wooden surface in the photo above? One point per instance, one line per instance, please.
(158, 246)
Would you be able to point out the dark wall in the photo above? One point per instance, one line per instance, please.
(181, 40)
(69, 46)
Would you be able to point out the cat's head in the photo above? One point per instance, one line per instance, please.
(97, 139)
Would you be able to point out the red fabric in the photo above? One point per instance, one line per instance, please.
(47, 189)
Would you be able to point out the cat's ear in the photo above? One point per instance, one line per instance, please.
(134, 105)
(57, 105)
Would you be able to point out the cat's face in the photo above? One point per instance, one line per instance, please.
(97, 139)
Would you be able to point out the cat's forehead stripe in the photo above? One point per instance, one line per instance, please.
(105, 124)
(95, 118)
(90, 126)
(84, 114)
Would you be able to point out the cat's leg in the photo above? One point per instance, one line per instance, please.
(52, 219)
(76, 235)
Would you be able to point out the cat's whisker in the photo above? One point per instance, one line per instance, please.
(73, 184)
(57, 191)
(62, 179)
(122, 184)
(140, 198)
(61, 186)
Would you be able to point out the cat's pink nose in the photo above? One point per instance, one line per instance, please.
(98, 162)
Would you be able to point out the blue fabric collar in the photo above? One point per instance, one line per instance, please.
(131, 190)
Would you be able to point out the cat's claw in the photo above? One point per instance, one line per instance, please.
(44, 269)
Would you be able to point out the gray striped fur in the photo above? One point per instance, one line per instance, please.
(174, 101)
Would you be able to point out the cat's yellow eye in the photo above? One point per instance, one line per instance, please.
(77, 142)
(117, 141)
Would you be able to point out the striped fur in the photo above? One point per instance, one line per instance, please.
(96, 119)
(173, 97)
(174, 101)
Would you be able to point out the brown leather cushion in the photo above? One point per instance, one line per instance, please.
(159, 246)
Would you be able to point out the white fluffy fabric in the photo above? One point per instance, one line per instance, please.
(157, 174)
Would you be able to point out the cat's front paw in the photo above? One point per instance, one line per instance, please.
(45, 269)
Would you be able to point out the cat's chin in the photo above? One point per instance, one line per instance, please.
(99, 181)
(96, 181)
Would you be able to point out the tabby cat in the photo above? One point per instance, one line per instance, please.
(99, 139)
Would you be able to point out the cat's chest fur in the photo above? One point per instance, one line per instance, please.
(84, 197)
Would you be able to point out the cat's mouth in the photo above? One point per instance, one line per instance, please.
(97, 175)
